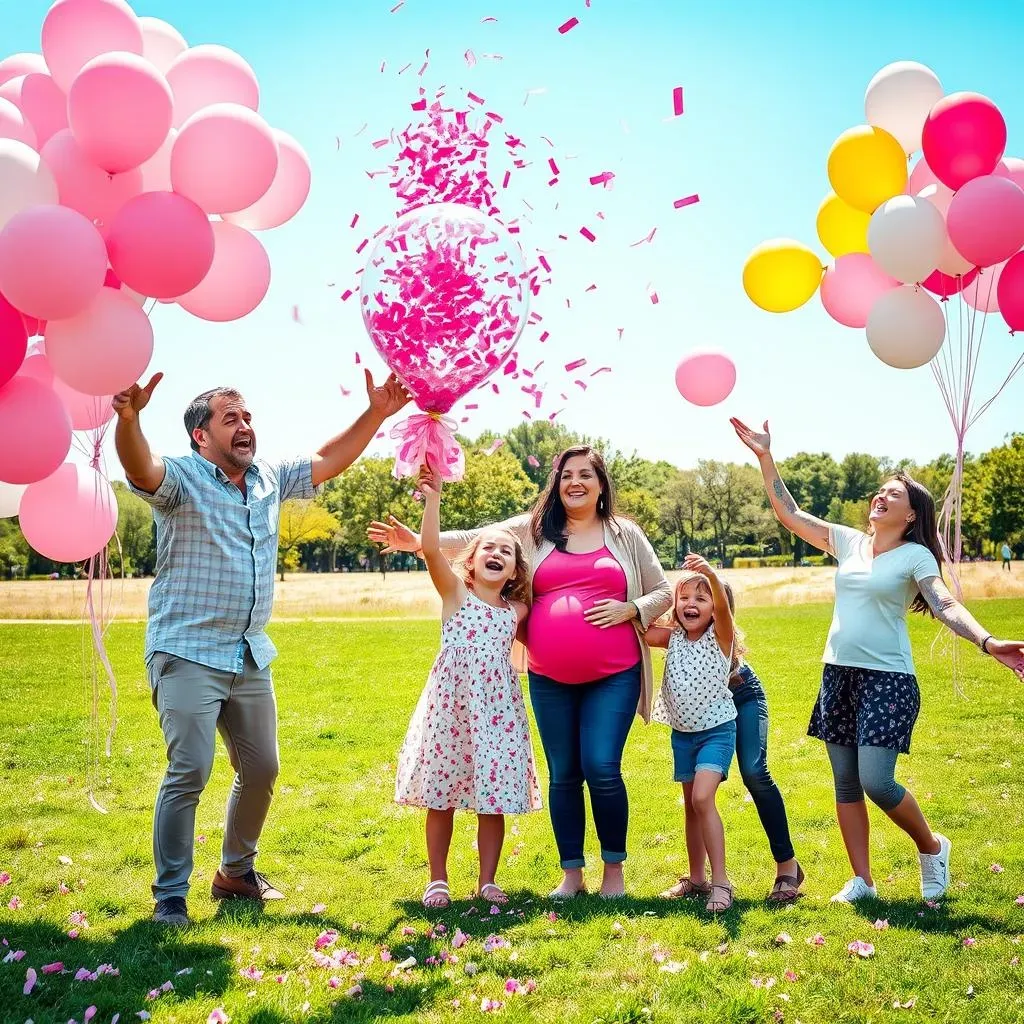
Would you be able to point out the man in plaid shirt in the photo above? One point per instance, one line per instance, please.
(207, 653)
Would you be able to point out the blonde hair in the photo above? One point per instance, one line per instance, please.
(739, 644)
(517, 588)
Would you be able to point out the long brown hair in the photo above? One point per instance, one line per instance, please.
(924, 530)
(548, 519)
(517, 588)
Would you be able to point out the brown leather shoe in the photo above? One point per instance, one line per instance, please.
(250, 886)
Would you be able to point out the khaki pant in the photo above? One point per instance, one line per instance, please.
(195, 702)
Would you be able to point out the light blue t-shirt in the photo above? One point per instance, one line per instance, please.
(1006, 552)
(873, 593)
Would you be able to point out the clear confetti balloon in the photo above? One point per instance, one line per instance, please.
(444, 299)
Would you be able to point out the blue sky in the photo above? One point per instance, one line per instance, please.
(767, 90)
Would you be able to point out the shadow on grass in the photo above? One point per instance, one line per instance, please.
(145, 954)
(944, 919)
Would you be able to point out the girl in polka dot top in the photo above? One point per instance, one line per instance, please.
(696, 702)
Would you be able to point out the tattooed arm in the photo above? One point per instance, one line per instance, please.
(953, 615)
(807, 527)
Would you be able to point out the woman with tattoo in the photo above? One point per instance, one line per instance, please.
(869, 698)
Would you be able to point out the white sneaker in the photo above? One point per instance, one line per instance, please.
(935, 870)
(855, 889)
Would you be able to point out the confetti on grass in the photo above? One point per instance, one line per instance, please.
(568, 26)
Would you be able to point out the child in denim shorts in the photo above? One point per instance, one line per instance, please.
(696, 702)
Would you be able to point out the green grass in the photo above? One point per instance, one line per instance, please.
(345, 692)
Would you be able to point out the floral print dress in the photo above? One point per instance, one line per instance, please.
(468, 744)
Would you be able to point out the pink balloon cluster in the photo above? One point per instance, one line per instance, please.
(119, 144)
(963, 185)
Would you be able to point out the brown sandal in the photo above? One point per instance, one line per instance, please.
(718, 904)
(687, 887)
(787, 887)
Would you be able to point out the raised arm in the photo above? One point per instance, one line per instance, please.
(396, 536)
(341, 451)
(953, 615)
(144, 469)
(445, 581)
(725, 629)
(807, 527)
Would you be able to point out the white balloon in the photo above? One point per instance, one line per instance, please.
(24, 180)
(161, 43)
(905, 327)
(10, 499)
(907, 237)
(899, 99)
(951, 262)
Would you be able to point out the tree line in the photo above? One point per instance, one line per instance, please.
(718, 509)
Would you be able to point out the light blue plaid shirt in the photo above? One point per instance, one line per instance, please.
(216, 556)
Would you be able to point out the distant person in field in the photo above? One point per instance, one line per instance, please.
(596, 585)
(1007, 556)
(468, 744)
(207, 653)
(869, 697)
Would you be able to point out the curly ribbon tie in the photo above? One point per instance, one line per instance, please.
(428, 438)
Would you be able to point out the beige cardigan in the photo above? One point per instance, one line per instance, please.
(646, 584)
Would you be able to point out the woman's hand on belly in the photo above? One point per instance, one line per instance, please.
(610, 613)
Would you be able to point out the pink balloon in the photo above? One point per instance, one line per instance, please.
(964, 136)
(986, 220)
(921, 177)
(983, 293)
(71, 515)
(156, 171)
(35, 430)
(13, 341)
(83, 186)
(952, 262)
(286, 194)
(19, 64)
(119, 108)
(52, 261)
(1011, 167)
(850, 287)
(45, 107)
(161, 244)
(104, 349)
(946, 285)
(238, 279)
(705, 378)
(162, 44)
(14, 124)
(37, 366)
(1011, 292)
(75, 31)
(210, 74)
(33, 327)
(86, 412)
(224, 158)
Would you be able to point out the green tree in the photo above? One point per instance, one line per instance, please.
(14, 549)
(493, 488)
(133, 550)
(730, 496)
(861, 475)
(681, 511)
(537, 442)
(813, 479)
(1005, 492)
(301, 522)
(642, 507)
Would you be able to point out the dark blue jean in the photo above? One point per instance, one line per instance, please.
(583, 729)
(752, 756)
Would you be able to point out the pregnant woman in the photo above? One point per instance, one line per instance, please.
(596, 587)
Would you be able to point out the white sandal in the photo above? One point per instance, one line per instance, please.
(437, 895)
(499, 896)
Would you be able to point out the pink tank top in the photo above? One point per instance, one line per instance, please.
(562, 645)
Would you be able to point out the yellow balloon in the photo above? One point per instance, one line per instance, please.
(841, 228)
(867, 166)
(780, 275)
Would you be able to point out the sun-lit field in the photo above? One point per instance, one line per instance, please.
(402, 594)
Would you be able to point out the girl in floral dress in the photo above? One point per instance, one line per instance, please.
(468, 744)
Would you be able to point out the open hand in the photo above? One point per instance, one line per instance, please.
(387, 399)
(610, 613)
(1010, 653)
(759, 443)
(695, 563)
(395, 535)
(128, 404)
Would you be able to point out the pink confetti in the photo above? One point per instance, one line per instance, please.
(420, 104)
(581, 384)
(567, 26)
(588, 234)
(544, 336)
(346, 295)
(548, 141)
(575, 365)
(381, 142)
(402, 71)
(553, 165)
(495, 445)
(687, 201)
(604, 178)
(295, 315)
(553, 181)
(383, 65)
(30, 981)
(358, 359)
(362, 245)
(591, 288)
(649, 237)
(473, 98)
(677, 100)
(355, 220)
(470, 57)
(483, 21)
(533, 461)
(603, 369)
(620, 330)
(653, 294)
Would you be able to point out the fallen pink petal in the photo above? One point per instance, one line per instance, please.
(30, 981)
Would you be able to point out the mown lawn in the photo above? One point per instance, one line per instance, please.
(335, 839)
